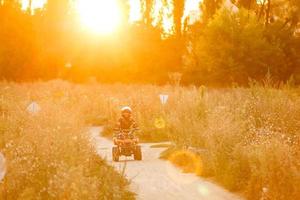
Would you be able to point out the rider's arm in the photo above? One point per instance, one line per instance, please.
(117, 128)
(134, 125)
(118, 125)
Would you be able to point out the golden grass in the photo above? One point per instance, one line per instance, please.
(188, 161)
(161, 145)
(250, 136)
(49, 155)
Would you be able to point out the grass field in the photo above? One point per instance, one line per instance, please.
(250, 135)
(48, 154)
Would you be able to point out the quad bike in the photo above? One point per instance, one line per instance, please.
(126, 144)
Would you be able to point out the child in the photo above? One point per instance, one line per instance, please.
(125, 124)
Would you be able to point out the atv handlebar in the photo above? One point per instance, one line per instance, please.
(127, 130)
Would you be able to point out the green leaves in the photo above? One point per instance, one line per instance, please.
(234, 46)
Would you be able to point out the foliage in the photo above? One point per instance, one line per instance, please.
(42, 43)
(50, 43)
(235, 46)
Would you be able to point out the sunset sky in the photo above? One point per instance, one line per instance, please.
(94, 13)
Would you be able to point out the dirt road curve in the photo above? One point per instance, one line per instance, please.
(156, 179)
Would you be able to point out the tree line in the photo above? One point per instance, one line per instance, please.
(232, 42)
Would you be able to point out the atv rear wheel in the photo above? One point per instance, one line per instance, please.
(138, 153)
(115, 154)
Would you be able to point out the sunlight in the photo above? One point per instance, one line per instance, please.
(34, 4)
(160, 12)
(99, 16)
(135, 10)
(192, 10)
(104, 16)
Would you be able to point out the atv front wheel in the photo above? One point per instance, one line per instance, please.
(138, 153)
(115, 154)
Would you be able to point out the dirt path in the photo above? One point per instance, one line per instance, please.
(155, 179)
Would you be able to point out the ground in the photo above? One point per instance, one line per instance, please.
(153, 178)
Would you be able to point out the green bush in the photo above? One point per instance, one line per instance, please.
(235, 46)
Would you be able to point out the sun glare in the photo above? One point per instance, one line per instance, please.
(135, 10)
(104, 16)
(99, 16)
(34, 4)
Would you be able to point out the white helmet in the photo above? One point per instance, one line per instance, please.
(126, 109)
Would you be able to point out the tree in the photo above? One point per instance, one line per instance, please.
(17, 47)
(147, 6)
(176, 42)
(209, 8)
(232, 48)
(178, 12)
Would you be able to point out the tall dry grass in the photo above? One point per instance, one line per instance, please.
(250, 137)
(49, 155)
